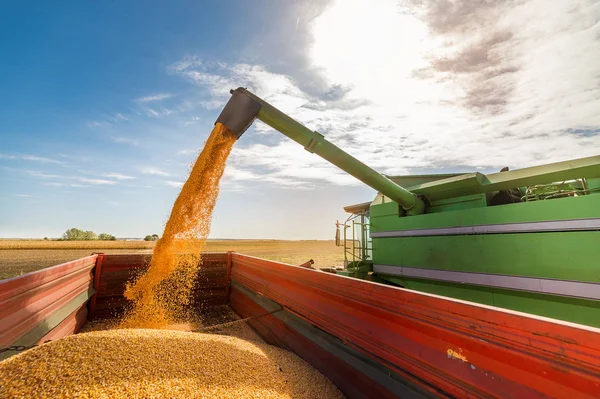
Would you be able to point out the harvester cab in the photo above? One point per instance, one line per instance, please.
(526, 239)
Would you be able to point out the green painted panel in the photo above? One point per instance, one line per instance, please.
(468, 293)
(565, 255)
(385, 209)
(562, 308)
(593, 185)
(458, 203)
(415, 180)
(383, 217)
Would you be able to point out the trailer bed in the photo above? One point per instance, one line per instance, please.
(369, 339)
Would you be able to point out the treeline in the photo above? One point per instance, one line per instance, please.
(153, 237)
(87, 235)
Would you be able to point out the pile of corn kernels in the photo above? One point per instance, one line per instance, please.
(144, 363)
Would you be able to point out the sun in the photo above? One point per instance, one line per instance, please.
(370, 45)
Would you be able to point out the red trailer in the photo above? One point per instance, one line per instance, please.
(370, 340)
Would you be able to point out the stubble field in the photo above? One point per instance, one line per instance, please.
(23, 256)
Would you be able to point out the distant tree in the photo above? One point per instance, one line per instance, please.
(152, 237)
(45, 238)
(89, 235)
(79, 235)
(106, 237)
(73, 234)
(155, 237)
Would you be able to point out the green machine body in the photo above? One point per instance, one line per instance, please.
(526, 240)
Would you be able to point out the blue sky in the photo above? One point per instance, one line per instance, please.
(104, 105)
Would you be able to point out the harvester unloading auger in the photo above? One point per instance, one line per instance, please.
(526, 240)
(244, 107)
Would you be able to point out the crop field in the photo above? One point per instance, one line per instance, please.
(23, 256)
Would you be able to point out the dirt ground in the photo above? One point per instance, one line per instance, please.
(20, 257)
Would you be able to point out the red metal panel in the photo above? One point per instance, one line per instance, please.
(28, 300)
(461, 348)
(228, 275)
(14, 286)
(275, 332)
(22, 319)
(117, 270)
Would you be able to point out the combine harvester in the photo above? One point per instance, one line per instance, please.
(514, 239)
(519, 251)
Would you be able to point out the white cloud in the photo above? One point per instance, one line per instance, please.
(194, 119)
(171, 183)
(42, 159)
(234, 177)
(59, 184)
(32, 158)
(151, 112)
(113, 203)
(24, 195)
(155, 97)
(428, 88)
(95, 124)
(188, 151)
(125, 140)
(42, 174)
(78, 158)
(118, 176)
(74, 181)
(96, 181)
(153, 171)
(119, 118)
(108, 120)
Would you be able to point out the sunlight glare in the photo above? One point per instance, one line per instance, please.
(371, 46)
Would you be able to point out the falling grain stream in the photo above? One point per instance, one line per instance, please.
(161, 296)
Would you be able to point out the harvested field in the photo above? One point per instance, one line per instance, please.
(93, 245)
(23, 256)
